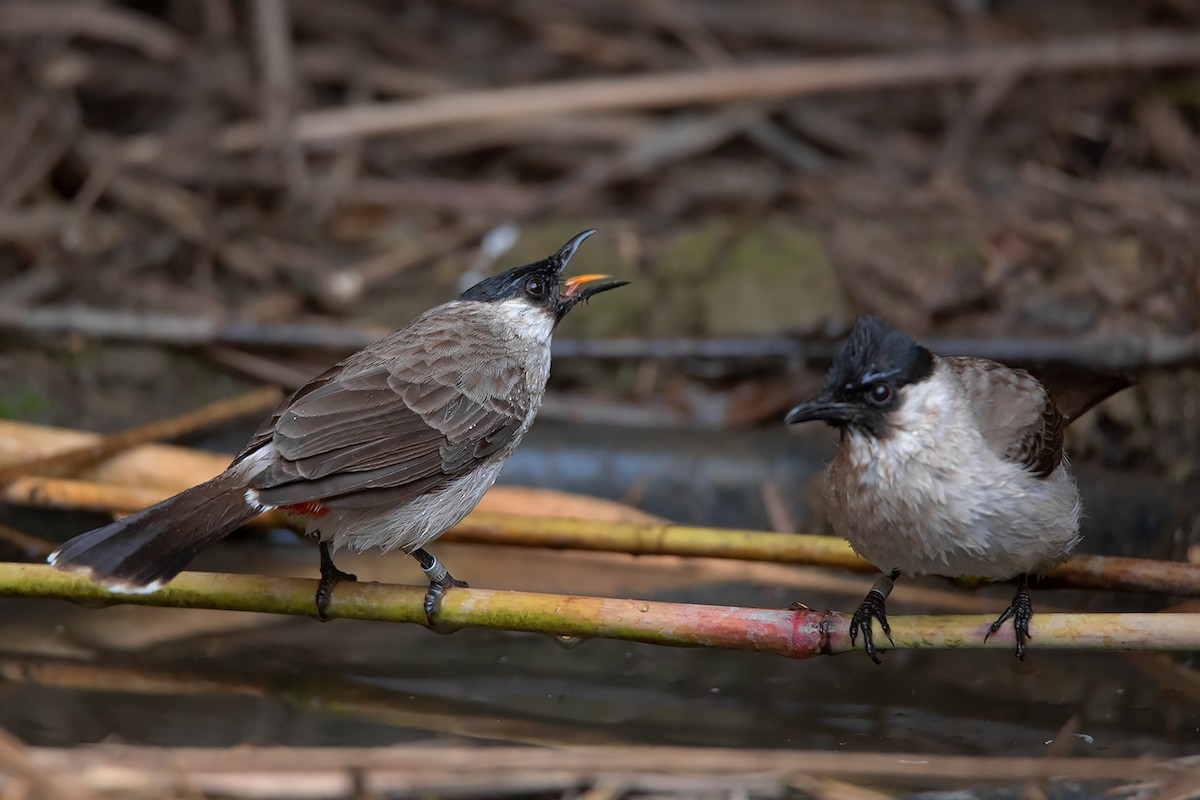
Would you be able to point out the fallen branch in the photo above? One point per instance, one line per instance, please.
(714, 85)
(800, 633)
(1128, 352)
(69, 461)
(182, 330)
(401, 768)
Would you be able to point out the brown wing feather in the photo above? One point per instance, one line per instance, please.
(1076, 389)
(267, 429)
(1015, 413)
(398, 419)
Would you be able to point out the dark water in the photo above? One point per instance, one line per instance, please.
(172, 677)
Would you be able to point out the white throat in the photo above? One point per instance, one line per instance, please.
(527, 320)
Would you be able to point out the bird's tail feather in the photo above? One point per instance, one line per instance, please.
(147, 548)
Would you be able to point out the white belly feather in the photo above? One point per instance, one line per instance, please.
(931, 498)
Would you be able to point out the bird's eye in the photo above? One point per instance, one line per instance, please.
(535, 288)
(880, 393)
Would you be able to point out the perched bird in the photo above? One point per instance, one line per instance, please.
(388, 448)
(947, 466)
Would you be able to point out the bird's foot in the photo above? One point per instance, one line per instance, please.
(873, 607)
(433, 604)
(439, 581)
(331, 576)
(1021, 611)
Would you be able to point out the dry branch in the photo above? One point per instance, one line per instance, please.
(802, 633)
(402, 768)
(30, 547)
(720, 85)
(65, 462)
(1127, 352)
(178, 329)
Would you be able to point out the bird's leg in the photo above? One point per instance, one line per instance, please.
(1021, 611)
(439, 581)
(873, 608)
(330, 576)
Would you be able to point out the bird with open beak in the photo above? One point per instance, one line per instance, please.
(389, 448)
(947, 466)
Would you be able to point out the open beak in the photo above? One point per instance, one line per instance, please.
(571, 285)
(823, 409)
(572, 295)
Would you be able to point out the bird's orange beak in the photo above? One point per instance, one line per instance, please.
(571, 285)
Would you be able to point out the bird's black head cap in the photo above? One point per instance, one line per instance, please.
(863, 385)
(542, 284)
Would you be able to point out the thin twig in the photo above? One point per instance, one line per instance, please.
(78, 458)
(987, 95)
(106, 23)
(672, 90)
(800, 633)
(273, 37)
(32, 547)
(22, 127)
(262, 369)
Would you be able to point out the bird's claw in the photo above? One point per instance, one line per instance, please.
(330, 578)
(440, 580)
(433, 603)
(1021, 612)
(873, 608)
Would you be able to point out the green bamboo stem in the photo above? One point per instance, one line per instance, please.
(657, 539)
(796, 634)
(1081, 571)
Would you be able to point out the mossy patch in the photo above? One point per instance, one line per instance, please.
(23, 403)
(772, 278)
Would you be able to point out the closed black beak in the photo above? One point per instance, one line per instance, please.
(823, 409)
